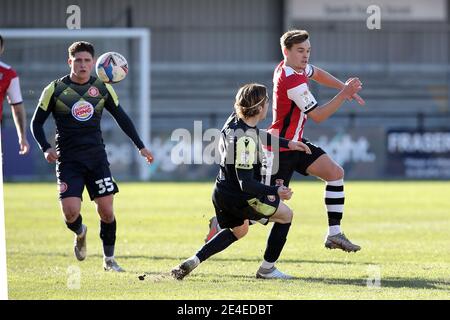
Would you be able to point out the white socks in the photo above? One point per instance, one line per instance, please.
(334, 230)
(267, 265)
(196, 260)
(334, 202)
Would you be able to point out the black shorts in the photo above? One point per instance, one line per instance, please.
(232, 212)
(72, 176)
(290, 161)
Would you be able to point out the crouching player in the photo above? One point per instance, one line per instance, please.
(239, 195)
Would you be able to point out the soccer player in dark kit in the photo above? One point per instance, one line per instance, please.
(77, 101)
(239, 196)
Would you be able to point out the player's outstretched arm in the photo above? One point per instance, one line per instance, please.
(127, 126)
(246, 153)
(250, 185)
(351, 86)
(325, 78)
(299, 146)
(20, 120)
(267, 139)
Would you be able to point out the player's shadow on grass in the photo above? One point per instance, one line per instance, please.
(217, 259)
(415, 283)
(385, 282)
(256, 259)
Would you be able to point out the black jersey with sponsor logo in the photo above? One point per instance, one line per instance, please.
(242, 161)
(77, 110)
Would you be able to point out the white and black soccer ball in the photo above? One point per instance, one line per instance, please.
(111, 67)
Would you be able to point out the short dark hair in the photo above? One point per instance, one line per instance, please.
(288, 39)
(81, 46)
(1, 41)
(249, 98)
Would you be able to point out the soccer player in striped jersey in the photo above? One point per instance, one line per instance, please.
(293, 104)
(239, 195)
(10, 87)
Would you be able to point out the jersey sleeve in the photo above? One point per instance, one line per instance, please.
(46, 100)
(13, 92)
(125, 123)
(245, 153)
(300, 94)
(113, 99)
(268, 139)
(41, 114)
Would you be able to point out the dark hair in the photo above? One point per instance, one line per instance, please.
(81, 46)
(292, 37)
(249, 98)
(1, 41)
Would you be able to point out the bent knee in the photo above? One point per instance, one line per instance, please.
(288, 216)
(241, 231)
(336, 173)
(107, 215)
(341, 172)
(71, 213)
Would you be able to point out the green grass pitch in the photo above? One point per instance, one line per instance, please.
(403, 228)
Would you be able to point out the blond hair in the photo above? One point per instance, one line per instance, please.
(248, 100)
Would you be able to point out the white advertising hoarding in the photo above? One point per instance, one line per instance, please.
(350, 10)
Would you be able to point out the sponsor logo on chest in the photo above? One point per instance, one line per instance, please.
(93, 92)
(82, 110)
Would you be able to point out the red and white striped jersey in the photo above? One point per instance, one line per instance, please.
(9, 86)
(292, 101)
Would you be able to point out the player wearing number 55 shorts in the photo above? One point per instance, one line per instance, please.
(76, 102)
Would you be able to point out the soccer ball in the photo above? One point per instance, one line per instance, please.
(111, 67)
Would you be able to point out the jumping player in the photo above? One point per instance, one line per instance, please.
(293, 104)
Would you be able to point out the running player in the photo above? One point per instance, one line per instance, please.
(239, 195)
(77, 101)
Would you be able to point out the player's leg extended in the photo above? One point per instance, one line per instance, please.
(277, 238)
(328, 170)
(222, 240)
(71, 206)
(108, 229)
(216, 244)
